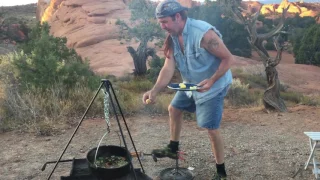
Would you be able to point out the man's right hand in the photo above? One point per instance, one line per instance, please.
(149, 97)
(164, 78)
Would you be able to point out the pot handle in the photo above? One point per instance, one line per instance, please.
(51, 162)
(95, 156)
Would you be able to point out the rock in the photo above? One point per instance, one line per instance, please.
(90, 28)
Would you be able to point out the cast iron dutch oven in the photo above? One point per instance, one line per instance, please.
(107, 151)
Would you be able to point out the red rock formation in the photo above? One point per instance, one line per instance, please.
(89, 26)
(303, 9)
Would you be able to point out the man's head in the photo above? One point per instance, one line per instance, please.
(171, 16)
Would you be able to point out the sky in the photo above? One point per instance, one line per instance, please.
(16, 2)
(22, 2)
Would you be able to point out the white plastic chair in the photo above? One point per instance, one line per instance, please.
(314, 138)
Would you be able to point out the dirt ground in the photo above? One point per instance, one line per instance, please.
(258, 145)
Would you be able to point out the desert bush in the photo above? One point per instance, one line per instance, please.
(283, 87)
(251, 76)
(32, 110)
(135, 84)
(239, 95)
(294, 97)
(311, 101)
(45, 83)
(130, 102)
(155, 66)
(299, 98)
(270, 46)
(255, 81)
(45, 60)
(258, 70)
(255, 76)
(306, 50)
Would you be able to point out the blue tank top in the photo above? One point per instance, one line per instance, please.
(196, 64)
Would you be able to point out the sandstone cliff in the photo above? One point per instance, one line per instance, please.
(303, 9)
(89, 26)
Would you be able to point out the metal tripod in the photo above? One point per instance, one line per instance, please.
(107, 85)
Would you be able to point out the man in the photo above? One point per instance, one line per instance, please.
(196, 49)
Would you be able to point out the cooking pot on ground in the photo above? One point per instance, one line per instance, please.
(108, 151)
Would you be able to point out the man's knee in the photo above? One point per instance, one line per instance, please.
(213, 133)
(174, 111)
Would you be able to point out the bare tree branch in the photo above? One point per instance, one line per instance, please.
(278, 28)
(271, 97)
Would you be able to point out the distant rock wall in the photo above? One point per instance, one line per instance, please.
(89, 26)
(295, 8)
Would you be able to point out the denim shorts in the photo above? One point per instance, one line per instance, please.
(208, 113)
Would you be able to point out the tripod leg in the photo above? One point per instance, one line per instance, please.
(85, 113)
(125, 123)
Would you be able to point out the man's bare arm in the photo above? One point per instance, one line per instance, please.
(214, 45)
(165, 74)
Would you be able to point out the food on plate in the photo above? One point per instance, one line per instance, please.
(182, 85)
(193, 87)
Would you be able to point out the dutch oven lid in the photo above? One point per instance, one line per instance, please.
(176, 174)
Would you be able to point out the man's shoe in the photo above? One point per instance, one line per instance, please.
(165, 152)
(219, 177)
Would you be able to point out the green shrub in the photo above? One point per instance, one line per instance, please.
(306, 50)
(270, 46)
(155, 66)
(253, 80)
(45, 84)
(294, 97)
(255, 76)
(45, 60)
(129, 102)
(239, 95)
(311, 101)
(31, 110)
(135, 85)
(299, 98)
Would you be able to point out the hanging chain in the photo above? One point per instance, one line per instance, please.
(106, 109)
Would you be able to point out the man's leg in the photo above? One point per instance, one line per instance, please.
(217, 145)
(175, 123)
(209, 116)
(179, 103)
